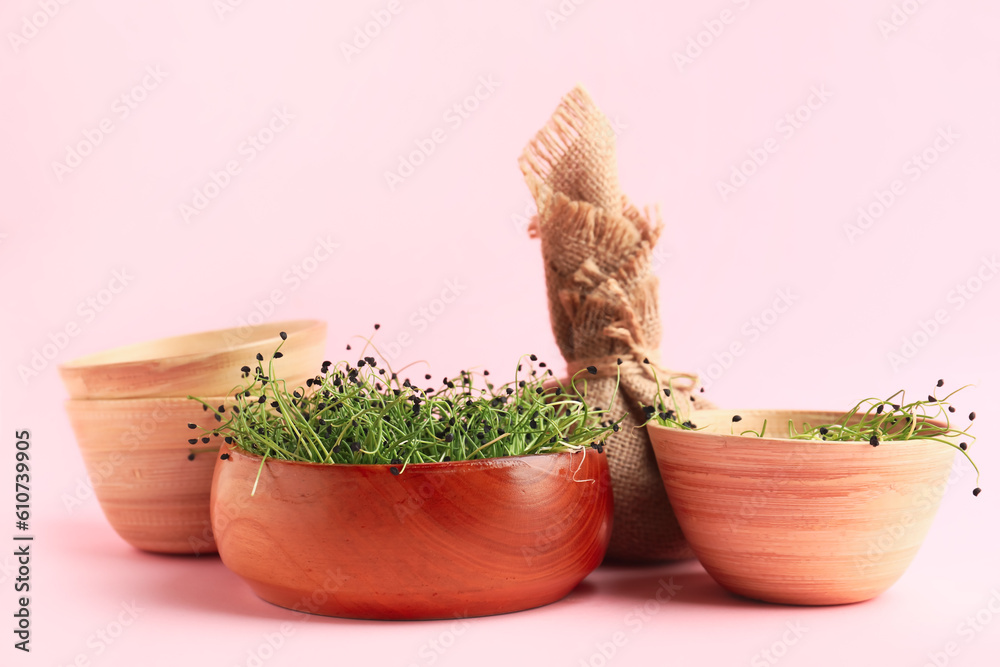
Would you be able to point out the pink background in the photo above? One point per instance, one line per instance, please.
(455, 226)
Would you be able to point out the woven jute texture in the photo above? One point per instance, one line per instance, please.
(603, 305)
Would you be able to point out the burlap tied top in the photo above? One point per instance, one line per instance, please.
(603, 305)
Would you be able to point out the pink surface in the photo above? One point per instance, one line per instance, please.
(771, 287)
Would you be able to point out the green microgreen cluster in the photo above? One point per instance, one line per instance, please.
(871, 420)
(365, 413)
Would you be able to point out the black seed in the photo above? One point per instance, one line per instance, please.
(193, 441)
(963, 445)
(737, 418)
(592, 370)
(204, 408)
(377, 327)
(645, 360)
(940, 383)
(824, 430)
(205, 440)
(874, 441)
(972, 416)
(224, 457)
(261, 399)
(278, 355)
(878, 410)
(931, 399)
(951, 408)
(229, 440)
(976, 491)
(192, 426)
(218, 418)
(666, 392)
(260, 357)
(245, 369)
(283, 335)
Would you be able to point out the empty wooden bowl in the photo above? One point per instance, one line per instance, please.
(439, 540)
(136, 454)
(203, 364)
(797, 521)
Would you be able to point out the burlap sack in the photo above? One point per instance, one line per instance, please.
(603, 306)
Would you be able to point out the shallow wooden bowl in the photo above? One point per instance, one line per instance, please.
(203, 364)
(135, 451)
(439, 540)
(799, 522)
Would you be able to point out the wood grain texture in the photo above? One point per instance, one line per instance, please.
(203, 364)
(799, 522)
(135, 451)
(444, 540)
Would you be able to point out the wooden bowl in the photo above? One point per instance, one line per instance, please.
(794, 521)
(135, 451)
(439, 540)
(203, 364)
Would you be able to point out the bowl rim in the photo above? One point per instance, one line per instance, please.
(425, 466)
(93, 360)
(781, 441)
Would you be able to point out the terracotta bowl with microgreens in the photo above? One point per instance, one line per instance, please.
(801, 521)
(363, 493)
(437, 541)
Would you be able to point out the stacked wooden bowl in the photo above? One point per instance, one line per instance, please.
(129, 409)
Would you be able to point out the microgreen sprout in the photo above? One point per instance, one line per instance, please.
(364, 412)
(666, 409)
(894, 419)
(878, 421)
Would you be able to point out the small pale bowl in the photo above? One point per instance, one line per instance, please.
(796, 521)
(135, 451)
(438, 540)
(203, 364)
